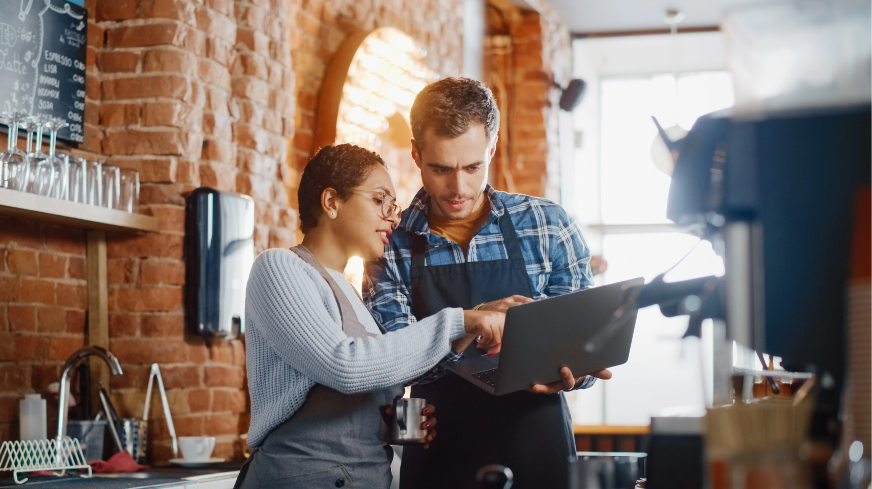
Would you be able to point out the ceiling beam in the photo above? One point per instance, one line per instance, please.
(643, 32)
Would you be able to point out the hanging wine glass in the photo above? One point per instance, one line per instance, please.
(77, 170)
(60, 165)
(13, 161)
(41, 177)
(6, 119)
(31, 125)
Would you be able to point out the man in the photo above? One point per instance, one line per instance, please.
(463, 244)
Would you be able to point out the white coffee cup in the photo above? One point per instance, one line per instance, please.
(196, 448)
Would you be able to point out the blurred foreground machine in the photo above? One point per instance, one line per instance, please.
(787, 197)
(781, 192)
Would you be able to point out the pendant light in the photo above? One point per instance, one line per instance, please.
(667, 142)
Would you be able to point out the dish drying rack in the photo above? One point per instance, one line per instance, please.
(42, 455)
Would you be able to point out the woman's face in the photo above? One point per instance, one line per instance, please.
(360, 221)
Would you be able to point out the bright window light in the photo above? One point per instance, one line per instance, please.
(354, 272)
(633, 190)
(665, 373)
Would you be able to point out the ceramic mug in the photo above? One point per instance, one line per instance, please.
(196, 448)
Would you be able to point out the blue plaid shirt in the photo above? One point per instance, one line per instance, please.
(554, 251)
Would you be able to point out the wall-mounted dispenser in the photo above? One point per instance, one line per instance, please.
(219, 232)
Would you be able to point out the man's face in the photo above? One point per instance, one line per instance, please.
(454, 170)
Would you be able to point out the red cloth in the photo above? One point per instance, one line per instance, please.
(120, 462)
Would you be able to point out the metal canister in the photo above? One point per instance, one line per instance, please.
(90, 435)
(134, 437)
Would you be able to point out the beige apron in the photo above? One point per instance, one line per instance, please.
(334, 439)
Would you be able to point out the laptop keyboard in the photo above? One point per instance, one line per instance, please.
(489, 377)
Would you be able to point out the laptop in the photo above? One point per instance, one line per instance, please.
(587, 331)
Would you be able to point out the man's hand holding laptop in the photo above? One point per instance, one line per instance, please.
(567, 380)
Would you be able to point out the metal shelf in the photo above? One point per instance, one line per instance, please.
(46, 209)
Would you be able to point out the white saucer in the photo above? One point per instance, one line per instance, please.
(198, 463)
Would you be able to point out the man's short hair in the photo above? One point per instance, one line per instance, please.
(450, 105)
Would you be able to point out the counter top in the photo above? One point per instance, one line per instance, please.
(219, 476)
(608, 429)
(50, 482)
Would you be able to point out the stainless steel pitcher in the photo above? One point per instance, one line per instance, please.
(407, 422)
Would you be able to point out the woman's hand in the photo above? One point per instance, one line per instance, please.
(501, 305)
(428, 424)
(487, 324)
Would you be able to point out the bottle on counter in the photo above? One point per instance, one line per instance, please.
(33, 417)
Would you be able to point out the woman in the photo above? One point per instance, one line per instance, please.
(320, 369)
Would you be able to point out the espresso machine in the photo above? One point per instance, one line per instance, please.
(783, 195)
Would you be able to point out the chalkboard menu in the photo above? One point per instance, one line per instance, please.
(42, 60)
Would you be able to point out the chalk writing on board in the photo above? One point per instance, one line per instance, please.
(42, 60)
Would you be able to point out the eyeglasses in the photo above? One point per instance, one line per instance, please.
(387, 202)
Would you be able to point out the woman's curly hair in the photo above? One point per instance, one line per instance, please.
(342, 167)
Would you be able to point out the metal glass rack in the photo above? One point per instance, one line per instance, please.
(42, 455)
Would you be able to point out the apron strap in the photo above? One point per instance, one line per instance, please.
(510, 238)
(419, 245)
(350, 323)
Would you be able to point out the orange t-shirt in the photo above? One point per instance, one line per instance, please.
(460, 231)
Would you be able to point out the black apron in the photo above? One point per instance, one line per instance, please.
(334, 439)
(529, 433)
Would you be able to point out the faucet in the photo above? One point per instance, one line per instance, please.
(74, 361)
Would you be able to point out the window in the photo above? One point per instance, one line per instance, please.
(665, 373)
(633, 190)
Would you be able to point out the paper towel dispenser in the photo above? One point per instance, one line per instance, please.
(219, 232)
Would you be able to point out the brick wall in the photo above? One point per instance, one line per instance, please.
(189, 93)
(202, 98)
(219, 93)
(43, 297)
(557, 60)
(526, 53)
